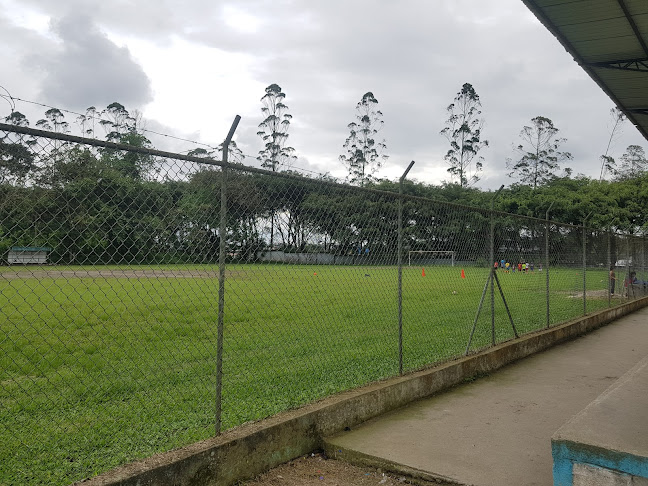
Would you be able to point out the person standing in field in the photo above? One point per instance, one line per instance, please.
(520, 267)
(612, 279)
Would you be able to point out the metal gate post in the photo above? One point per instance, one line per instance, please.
(400, 268)
(221, 276)
(547, 229)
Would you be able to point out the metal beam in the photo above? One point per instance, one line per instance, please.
(638, 65)
(639, 111)
(592, 72)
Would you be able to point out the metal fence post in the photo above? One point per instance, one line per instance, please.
(492, 262)
(626, 280)
(643, 259)
(609, 266)
(221, 276)
(400, 268)
(547, 229)
(585, 263)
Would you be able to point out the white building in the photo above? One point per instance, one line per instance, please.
(24, 255)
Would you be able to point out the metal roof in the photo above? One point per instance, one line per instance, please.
(609, 39)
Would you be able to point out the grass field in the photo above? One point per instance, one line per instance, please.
(104, 365)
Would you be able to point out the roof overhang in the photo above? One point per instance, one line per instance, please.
(609, 40)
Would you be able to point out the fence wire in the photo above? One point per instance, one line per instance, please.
(110, 281)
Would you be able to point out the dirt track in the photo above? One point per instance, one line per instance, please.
(116, 273)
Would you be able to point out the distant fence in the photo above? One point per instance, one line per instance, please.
(166, 312)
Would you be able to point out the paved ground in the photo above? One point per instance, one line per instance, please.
(497, 430)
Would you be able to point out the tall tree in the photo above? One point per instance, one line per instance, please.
(234, 155)
(17, 118)
(273, 130)
(365, 155)
(54, 120)
(540, 155)
(463, 131)
(118, 122)
(133, 164)
(87, 121)
(633, 163)
(126, 128)
(608, 164)
(16, 159)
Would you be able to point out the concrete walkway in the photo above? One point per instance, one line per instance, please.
(497, 430)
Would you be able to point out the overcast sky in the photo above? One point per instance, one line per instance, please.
(190, 66)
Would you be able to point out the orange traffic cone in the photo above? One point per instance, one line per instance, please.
(463, 274)
(423, 273)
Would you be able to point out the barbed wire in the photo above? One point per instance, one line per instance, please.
(299, 169)
(12, 103)
(99, 118)
(8, 98)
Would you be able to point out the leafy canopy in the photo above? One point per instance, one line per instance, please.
(539, 152)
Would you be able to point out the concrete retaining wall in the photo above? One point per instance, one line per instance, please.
(253, 448)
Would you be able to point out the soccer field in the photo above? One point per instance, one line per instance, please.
(104, 365)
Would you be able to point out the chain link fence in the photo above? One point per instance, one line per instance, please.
(115, 344)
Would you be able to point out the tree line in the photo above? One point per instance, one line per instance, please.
(105, 206)
(539, 154)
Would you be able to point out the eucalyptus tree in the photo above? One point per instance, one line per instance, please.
(87, 121)
(54, 120)
(17, 118)
(365, 154)
(463, 130)
(633, 163)
(608, 164)
(539, 153)
(234, 154)
(117, 122)
(273, 130)
(17, 161)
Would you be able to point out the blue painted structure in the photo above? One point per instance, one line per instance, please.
(566, 454)
(610, 433)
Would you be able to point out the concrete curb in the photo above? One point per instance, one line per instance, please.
(251, 449)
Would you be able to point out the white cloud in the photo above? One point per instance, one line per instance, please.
(241, 20)
(192, 65)
(196, 88)
(24, 17)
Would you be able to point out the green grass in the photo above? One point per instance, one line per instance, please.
(99, 370)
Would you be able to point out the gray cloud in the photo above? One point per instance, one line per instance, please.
(88, 69)
(414, 55)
